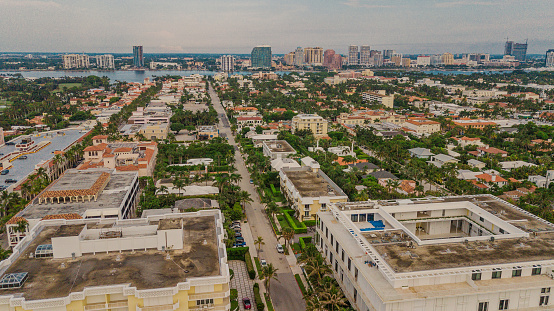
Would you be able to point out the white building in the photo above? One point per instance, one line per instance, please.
(380, 97)
(549, 58)
(105, 61)
(452, 253)
(73, 61)
(277, 149)
(424, 60)
(227, 63)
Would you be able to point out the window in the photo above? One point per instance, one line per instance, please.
(327, 232)
(503, 304)
(476, 276)
(545, 290)
(323, 206)
(349, 263)
(342, 255)
(204, 302)
(337, 247)
(483, 306)
(356, 273)
(336, 266)
(331, 257)
(307, 206)
(354, 217)
(332, 239)
(481, 219)
(516, 273)
(496, 274)
(362, 217)
(536, 271)
(544, 301)
(355, 295)
(501, 230)
(306, 213)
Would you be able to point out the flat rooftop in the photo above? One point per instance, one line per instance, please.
(112, 196)
(312, 184)
(150, 269)
(278, 146)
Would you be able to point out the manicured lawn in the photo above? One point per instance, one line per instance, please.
(67, 85)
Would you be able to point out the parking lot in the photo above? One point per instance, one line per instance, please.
(21, 168)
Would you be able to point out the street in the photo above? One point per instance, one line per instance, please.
(285, 293)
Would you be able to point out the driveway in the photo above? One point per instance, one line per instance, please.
(242, 282)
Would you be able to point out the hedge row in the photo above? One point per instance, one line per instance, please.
(249, 266)
(237, 253)
(310, 223)
(268, 302)
(258, 265)
(297, 226)
(304, 241)
(258, 297)
(300, 284)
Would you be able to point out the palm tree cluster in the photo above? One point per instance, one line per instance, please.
(326, 294)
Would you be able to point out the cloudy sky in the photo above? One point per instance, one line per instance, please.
(235, 26)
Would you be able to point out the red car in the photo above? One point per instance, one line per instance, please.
(246, 303)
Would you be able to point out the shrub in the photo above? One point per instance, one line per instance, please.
(258, 298)
(309, 223)
(297, 226)
(304, 241)
(231, 274)
(268, 302)
(249, 266)
(237, 253)
(300, 284)
(258, 265)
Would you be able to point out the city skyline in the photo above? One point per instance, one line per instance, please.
(425, 27)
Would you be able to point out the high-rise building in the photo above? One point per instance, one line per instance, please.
(378, 59)
(518, 50)
(365, 55)
(549, 61)
(105, 61)
(313, 56)
(261, 56)
(227, 63)
(387, 54)
(447, 59)
(424, 60)
(299, 57)
(138, 58)
(396, 58)
(332, 60)
(289, 59)
(353, 55)
(436, 60)
(73, 61)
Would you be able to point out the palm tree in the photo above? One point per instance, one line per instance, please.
(317, 268)
(287, 234)
(22, 226)
(163, 189)
(259, 242)
(244, 197)
(332, 297)
(179, 184)
(313, 304)
(272, 208)
(269, 272)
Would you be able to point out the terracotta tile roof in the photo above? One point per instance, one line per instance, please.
(127, 168)
(490, 178)
(94, 190)
(108, 155)
(478, 185)
(100, 137)
(492, 150)
(340, 161)
(99, 147)
(122, 149)
(15, 219)
(62, 216)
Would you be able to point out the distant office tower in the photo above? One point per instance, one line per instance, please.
(313, 56)
(138, 58)
(105, 61)
(396, 58)
(289, 59)
(406, 62)
(387, 54)
(378, 59)
(332, 60)
(424, 60)
(518, 50)
(436, 60)
(299, 57)
(447, 59)
(227, 63)
(73, 61)
(353, 55)
(365, 55)
(549, 62)
(261, 56)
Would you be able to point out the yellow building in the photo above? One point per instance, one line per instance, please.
(157, 131)
(422, 126)
(308, 189)
(160, 263)
(311, 122)
(447, 59)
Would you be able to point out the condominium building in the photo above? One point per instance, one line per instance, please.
(396, 58)
(75, 61)
(313, 56)
(462, 253)
(549, 60)
(365, 55)
(138, 57)
(388, 53)
(447, 59)
(289, 59)
(422, 126)
(299, 57)
(92, 193)
(332, 60)
(277, 149)
(380, 97)
(157, 131)
(312, 122)
(353, 55)
(159, 263)
(518, 50)
(227, 63)
(105, 61)
(424, 60)
(308, 189)
(261, 56)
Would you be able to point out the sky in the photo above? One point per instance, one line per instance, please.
(235, 26)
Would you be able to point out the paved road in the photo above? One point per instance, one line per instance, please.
(285, 294)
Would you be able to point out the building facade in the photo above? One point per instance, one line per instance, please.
(549, 60)
(353, 55)
(313, 56)
(105, 61)
(365, 55)
(299, 57)
(75, 61)
(227, 63)
(138, 57)
(380, 97)
(312, 122)
(261, 57)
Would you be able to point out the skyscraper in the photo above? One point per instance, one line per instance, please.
(227, 63)
(517, 50)
(388, 53)
(299, 57)
(365, 55)
(71, 61)
(353, 55)
(378, 59)
(105, 61)
(261, 56)
(447, 59)
(138, 59)
(332, 60)
(289, 59)
(313, 56)
(549, 62)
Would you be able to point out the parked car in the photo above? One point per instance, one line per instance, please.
(2, 187)
(10, 143)
(235, 226)
(23, 157)
(239, 244)
(246, 303)
(236, 222)
(251, 181)
(239, 239)
(263, 263)
(280, 248)
(238, 234)
(4, 172)
(10, 181)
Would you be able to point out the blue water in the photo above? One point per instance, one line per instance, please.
(464, 72)
(120, 75)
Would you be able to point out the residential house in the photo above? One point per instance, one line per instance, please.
(421, 153)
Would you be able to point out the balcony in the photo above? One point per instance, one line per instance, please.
(210, 295)
(107, 306)
(167, 307)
